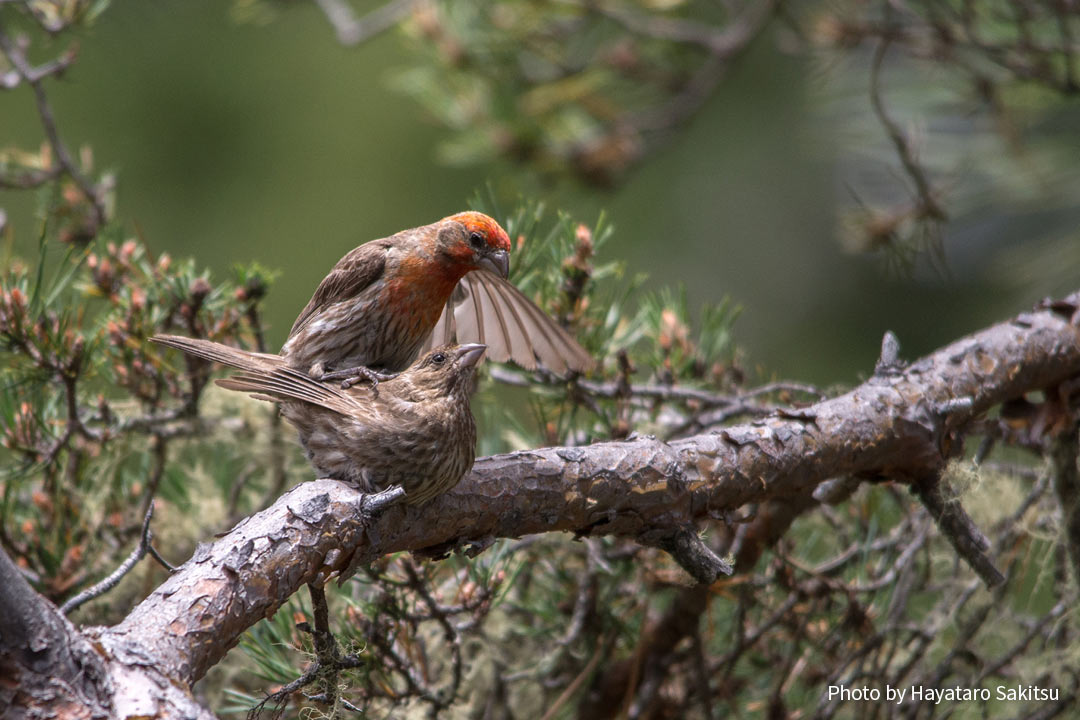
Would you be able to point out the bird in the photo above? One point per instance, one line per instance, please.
(415, 430)
(390, 299)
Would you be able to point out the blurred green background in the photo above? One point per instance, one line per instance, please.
(235, 139)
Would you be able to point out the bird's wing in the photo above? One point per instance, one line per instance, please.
(285, 383)
(488, 309)
(361, 267)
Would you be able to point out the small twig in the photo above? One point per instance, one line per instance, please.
(415, 684)
(1037, 629)
(601, 652)
(281, 695)
(442, 700)
(888, 361)
(586, 597)
(617, 389)
(701, 675)
(928, 205)
(157, 556)
(749, 639)
(693, 555)
(278, 477)
(722, 42)
(111, 581)
(957, 527)
(328, 663)
(160, 450)
(901, 562)
(11, 80)
(1063, 455)
(351, 30)
(33, 77)
(326, 648)
(236, 490)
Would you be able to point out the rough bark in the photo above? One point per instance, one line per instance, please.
(50, 669)
(902, 424)
(45, 663)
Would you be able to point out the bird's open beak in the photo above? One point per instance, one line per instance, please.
(470, 353)
(497, 261)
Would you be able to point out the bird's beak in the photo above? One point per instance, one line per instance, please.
(497, 261)
(469, 354)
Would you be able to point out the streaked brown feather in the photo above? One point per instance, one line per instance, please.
(360, 268)
(285, 384)
(417, 431)
(216, 352)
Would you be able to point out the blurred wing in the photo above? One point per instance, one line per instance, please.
(352, 275)
(487, 309)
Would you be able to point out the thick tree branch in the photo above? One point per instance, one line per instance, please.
(50, 669)
(43, 658)
(902, 426)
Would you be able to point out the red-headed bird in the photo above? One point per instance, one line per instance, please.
(389, 299)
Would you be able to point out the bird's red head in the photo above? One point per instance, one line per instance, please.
(478, 222)
(473, 241)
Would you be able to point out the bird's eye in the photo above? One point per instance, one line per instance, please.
(438, 358)
(476, 240)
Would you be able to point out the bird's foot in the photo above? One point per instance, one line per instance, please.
(373, 504)
(351, 376)
(369, 507)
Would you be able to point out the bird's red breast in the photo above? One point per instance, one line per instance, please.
(419, 291)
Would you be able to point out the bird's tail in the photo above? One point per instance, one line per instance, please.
(216, 352)
(266, 377)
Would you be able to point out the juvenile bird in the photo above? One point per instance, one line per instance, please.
(376, 310)
(415, 430)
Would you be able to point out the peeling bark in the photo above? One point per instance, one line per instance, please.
(902, 424)
(47, 668)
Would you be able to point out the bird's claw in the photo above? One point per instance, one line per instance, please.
(352, 376)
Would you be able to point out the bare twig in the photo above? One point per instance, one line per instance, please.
(351, 30)
(444, 698)
(722, 42)
(928, 204)
(575, 685)
(1063, 456)
(650, 391)
(111, 581)
(326, 648)
(957, 527)
(33, 77)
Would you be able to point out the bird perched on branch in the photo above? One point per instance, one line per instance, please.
(390, 299)
(415, 430)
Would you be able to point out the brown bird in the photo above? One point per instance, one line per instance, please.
(415, 430)
(376, 310)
